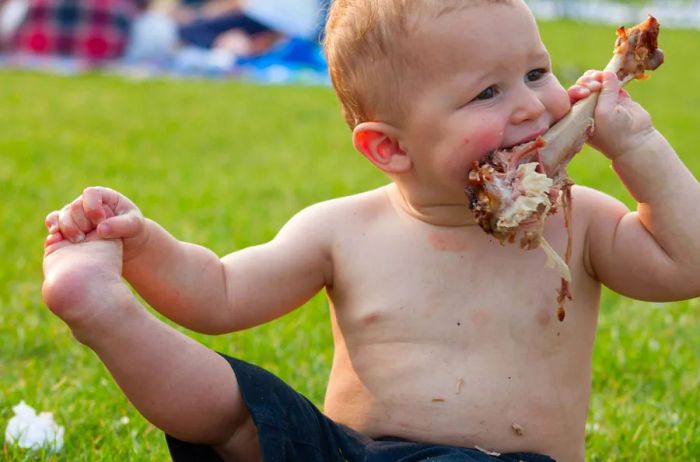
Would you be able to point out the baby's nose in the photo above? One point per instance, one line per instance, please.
(528, 106)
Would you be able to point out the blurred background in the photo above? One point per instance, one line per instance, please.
(263, 40)
(217, 119)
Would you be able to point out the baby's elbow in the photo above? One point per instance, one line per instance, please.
(681, 284)
(691, 289)
(687, 281)
(212, 328)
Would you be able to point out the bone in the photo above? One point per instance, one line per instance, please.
(566, 137)
(635, 52)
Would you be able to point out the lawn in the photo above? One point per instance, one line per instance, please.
(225, 164)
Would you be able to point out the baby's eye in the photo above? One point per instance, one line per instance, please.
(489, 93)
(535, 75)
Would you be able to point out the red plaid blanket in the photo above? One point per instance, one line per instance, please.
(93, 30)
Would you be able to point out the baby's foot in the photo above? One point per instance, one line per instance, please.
(83, 284)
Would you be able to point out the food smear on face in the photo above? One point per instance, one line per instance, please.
(512, 191)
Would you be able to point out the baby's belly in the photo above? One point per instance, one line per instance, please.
(434, 392)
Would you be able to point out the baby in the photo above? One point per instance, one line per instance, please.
(447, 344)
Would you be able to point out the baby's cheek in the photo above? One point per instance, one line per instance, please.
(560, 103)
(480, 142)
(474, 147)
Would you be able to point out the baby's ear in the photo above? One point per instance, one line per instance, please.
(379, 143)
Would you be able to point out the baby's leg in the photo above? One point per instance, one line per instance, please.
(183, 388)
(180, 386)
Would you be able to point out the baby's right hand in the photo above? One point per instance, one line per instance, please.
(109, 213)
(621, 124)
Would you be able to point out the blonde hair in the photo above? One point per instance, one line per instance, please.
(365, 45)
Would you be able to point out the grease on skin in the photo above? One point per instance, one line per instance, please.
(543, 317)
(448, 241)
(476, 146)
(370, 319)
(485, 141)
(460, 383)
(480, 318)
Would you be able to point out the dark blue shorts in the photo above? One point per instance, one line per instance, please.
(292, 429)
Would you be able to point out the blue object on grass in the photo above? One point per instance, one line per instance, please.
(295, 60)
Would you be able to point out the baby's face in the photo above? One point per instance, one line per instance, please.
(486, 83)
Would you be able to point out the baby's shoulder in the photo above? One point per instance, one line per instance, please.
(588, 201)
(349, 209)
(594, 210)
(343, 214)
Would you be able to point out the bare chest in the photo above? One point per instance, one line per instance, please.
(447, 284)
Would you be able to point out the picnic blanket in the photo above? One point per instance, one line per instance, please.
(292, 61)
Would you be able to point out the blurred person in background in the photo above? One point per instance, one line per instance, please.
(12, 13)
(236, 28)
(248, 27)
(187, 11)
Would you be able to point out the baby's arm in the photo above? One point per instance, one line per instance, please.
(194, 287)
(650, 254)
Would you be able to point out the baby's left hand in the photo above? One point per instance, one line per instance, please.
(621, 124)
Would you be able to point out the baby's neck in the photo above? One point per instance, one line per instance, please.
(449, 214)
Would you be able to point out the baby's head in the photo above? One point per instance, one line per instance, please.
(371, 54)
(429, 86)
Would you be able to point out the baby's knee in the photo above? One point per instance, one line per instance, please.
(242, 444)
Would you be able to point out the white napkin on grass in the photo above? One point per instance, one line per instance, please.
(32, 431)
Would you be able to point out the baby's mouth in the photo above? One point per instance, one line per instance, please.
(531, 137)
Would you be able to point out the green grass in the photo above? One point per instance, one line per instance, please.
(225, 165)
